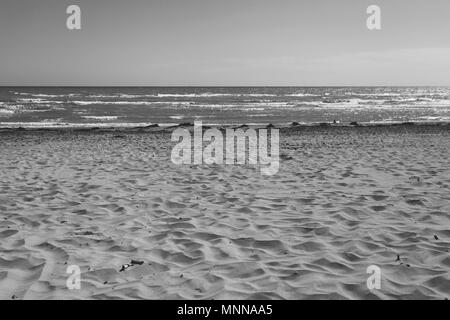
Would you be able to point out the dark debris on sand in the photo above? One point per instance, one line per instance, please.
(131, 264)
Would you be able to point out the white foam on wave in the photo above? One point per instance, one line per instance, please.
(39, 101)
(302, 95)
(6, 112)
(137, 103)
(101, 118)
(56, 125)
(358, 103)
(212, 95)
(43, 95)
(7, 109)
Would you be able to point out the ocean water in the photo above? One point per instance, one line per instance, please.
(135, 106)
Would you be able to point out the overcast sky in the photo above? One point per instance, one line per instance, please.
(224, 42)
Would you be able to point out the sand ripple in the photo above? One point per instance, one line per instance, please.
(344, 199)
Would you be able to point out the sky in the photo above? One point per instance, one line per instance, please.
(224, 43)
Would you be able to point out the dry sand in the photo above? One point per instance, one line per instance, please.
(344, 199)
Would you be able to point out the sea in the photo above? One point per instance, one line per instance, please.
(43, 107)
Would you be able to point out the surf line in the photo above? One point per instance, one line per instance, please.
(235, 139)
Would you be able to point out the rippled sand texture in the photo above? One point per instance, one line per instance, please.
(344, 199)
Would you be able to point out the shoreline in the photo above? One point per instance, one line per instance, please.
(169, 127)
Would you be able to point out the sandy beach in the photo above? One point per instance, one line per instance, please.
(139, 226)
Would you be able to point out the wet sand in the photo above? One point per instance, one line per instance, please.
(344, 198)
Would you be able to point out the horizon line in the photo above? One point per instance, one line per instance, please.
(220, 86)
